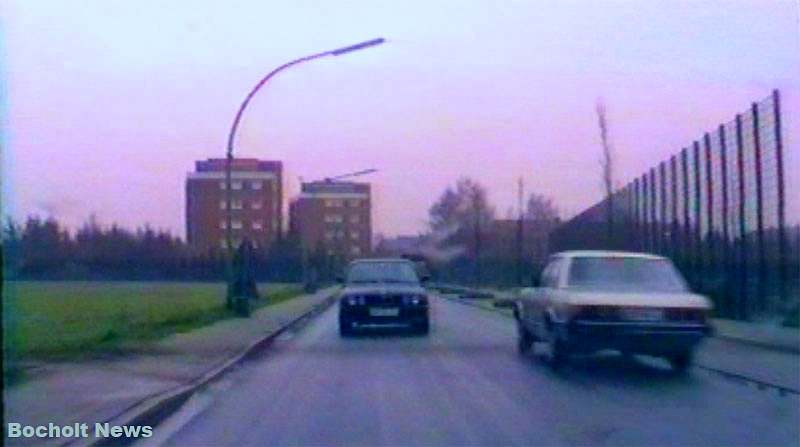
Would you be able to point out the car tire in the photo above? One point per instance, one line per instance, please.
(345, 328)
(524, 340)
(424, 328)
(680, 362)
(556, 354)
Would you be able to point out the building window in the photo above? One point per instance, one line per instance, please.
(224, 244)
(236, 185)
(355, 219)
(236, 204)
(257, 225)
(333, 203)
(256, 205)
(222, 185)
(354, 203)
(223, 224)
(236, 224)
(355, 250)
(354, 235)
(256, 185)
(223, 204)
(329, 235)
(334, 218)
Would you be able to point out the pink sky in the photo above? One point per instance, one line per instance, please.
(108, 103)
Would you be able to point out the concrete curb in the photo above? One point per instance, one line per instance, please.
(717, 334)
(153, 410)
(795, 350)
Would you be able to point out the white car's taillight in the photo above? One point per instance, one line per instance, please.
(355, 300)
(414, 300)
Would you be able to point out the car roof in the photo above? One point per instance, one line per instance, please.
(606, 254)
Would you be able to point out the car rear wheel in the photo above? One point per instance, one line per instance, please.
(681, 362)
(345, 328)
(524, 339)
(555, 352)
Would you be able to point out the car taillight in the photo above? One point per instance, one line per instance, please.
(355, 300)
(415, 300)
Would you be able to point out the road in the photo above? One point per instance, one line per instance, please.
(466, 385)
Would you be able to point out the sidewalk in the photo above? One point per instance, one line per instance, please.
(764, 335)
(99, 390)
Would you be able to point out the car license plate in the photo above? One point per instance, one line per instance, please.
(643, 314)
(384, 311)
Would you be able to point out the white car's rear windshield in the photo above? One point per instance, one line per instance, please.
(625, 273)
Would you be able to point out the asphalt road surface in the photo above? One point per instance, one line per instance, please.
(465, 384)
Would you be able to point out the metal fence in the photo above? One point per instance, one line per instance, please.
(717, 208)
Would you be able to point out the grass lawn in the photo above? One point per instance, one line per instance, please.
(68, 319)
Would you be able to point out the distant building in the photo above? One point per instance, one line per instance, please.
(256, 202)
(334, 217)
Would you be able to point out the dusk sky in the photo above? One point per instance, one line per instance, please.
(107, 104)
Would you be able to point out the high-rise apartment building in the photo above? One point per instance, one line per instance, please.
(334, 217)
(256, 202)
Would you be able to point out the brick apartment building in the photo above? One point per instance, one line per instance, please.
(334, 217)
(256, 202)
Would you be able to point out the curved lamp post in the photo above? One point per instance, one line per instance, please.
(235, 125)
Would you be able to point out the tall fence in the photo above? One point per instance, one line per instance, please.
(717, 208)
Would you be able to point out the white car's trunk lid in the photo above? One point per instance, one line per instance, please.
(638, 299)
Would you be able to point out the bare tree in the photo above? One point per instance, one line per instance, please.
(607, 164)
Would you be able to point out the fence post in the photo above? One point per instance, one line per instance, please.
(762, 257)
(783, 262)
(662, 193)
(726, 262)
(645, 214)
(653, 221)
(686, 233)
(744, 243)
(673, 224)
(709, 234)
(697, 227)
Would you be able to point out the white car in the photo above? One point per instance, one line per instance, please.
(635, 303)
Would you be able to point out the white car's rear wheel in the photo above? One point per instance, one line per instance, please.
(681, 362)
(524, 339)
(555, 351)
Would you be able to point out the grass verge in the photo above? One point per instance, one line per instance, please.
(69, 320)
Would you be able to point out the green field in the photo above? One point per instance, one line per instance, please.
(67, 319)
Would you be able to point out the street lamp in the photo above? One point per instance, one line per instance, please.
(232, 135)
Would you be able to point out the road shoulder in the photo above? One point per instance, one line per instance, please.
(115, 389)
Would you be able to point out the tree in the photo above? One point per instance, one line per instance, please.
(541, 208)
(461, 216)
(607, 165)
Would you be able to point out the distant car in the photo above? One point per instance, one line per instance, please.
(594, 300)
(382, 294)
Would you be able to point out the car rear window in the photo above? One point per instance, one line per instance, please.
(625, 273)
(388, 272)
